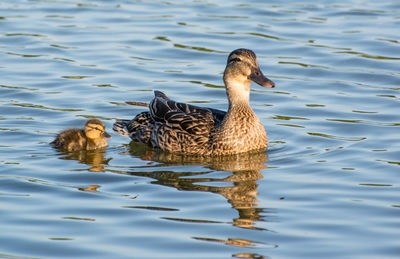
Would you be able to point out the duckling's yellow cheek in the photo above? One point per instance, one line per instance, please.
(93, 134)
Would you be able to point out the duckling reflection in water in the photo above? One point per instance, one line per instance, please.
(93, 158)
(93, 136)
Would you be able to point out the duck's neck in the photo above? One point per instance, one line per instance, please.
(238, 93)
(239, 112)
(240, 130)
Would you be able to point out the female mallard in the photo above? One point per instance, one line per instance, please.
(188, 129)
(91, 137)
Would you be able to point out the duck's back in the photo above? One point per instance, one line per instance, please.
(180, 127)
(71, 140)
(172, 126)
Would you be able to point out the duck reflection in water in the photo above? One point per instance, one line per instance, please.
(241, 194)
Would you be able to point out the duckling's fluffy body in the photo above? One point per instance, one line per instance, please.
(93, 136)
(187, 129)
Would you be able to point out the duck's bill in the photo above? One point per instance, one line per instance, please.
(105, 134)
(258, 77)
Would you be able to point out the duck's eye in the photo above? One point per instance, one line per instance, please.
(235, 60)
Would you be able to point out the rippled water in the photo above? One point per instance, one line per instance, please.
(328, 187)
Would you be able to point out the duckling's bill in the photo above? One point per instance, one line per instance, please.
(105, 134)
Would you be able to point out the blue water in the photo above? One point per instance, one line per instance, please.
(328, 186)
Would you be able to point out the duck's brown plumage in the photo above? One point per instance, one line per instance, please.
(188, 129)
(93, 136)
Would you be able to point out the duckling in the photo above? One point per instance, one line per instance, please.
(93, 136)
(187, 129)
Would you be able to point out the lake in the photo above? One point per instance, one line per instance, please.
(327, 187)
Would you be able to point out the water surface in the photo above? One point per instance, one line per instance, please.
(326, 188)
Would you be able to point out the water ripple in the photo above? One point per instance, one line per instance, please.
(332, 124)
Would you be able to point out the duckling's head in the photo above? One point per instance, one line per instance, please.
(242, 68)
(95, 129)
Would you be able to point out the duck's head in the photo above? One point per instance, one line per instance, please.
(95, 129)
(242, 68)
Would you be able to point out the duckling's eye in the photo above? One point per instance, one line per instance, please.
(95, 128)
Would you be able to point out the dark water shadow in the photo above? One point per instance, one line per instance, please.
(240, 192)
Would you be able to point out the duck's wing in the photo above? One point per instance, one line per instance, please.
(180, 117)
(179, 127)
(163, 109)
(170, 125)
(218, 115)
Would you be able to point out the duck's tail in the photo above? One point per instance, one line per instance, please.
(138, 129)
(120, 127)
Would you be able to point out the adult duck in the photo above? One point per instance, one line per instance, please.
(187, 129)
